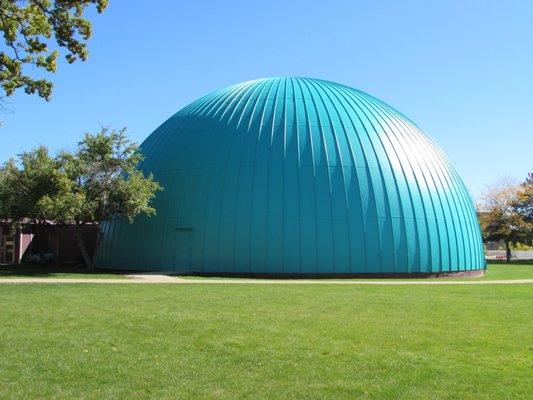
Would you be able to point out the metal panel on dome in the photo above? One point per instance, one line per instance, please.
(297, 176)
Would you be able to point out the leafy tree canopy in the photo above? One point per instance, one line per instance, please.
(523, 205)
(506, 213)
(99, 181)
(25, 182)
(35, 31)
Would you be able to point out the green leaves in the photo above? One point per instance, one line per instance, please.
(104, 173)
(506, 212)
(24, 182)
(99, 181)
(29, 27)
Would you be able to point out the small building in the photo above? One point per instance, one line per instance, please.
(50, 242)
(13, 244)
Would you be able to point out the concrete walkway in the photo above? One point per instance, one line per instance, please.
(159, 279)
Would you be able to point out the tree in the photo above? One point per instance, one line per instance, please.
(23, 183)
(30, 29)
(500, 215)
(99, 181)
(523, 206)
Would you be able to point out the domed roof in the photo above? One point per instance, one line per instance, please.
(297, 175)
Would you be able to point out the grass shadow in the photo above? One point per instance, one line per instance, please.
(32, 270)
(514, 261)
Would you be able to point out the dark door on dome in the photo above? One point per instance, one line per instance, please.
(183, 249)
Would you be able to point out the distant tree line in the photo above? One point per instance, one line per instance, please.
(505, 212)
(97, 182)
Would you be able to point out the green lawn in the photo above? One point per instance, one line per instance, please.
(495, 271)
(266, 342)
(508, 271)
(50, 271)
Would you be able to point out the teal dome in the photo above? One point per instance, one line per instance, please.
(297, 176)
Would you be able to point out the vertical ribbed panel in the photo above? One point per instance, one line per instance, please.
(297, 175)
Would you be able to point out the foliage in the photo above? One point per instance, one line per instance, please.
(505, 213)
(34, 32)
(104, 181)
(523, 206)
(25, 182)
(99, 181)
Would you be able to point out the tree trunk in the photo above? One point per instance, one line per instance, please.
(54, 237)
(78, 232)
(41, 242)
(508, 251)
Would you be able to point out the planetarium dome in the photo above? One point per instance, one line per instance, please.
(297, 176)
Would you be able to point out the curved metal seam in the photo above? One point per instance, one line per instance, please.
(230, 104)
(421, 222)
(311, 144)
(163, 136)
(351, 99)
(431, 187)
(454, 211)
(236, 101)
(268, 84)
(283, 194)
(329, 93)
(395, 188)
(222, 190)
(265, 84)
(340, 164)
(467, 216)
(478, 256)
(298, 175)
(326, 156)
(389, 119)
(242, 141)
(216, 107)
(260, 86)
(459, 187)
(452, 234)
(167, 136)
(427, 177)
(333, 133)
(467, 204)
(272, 127)
(389, 134)
(366, 168)
(412, 145)
(214, 139)
(354, 167)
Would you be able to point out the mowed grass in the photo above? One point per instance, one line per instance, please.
(514, 270)
(266, 342)
(495, 271)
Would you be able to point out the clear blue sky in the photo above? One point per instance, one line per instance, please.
(463, 70)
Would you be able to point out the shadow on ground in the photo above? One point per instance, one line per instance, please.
(514, 261)
(46, 270)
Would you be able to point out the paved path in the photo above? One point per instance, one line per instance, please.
(158, 279)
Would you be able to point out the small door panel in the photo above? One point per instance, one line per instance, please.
(183, 249)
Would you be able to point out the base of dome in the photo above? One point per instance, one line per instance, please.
(385, 275)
